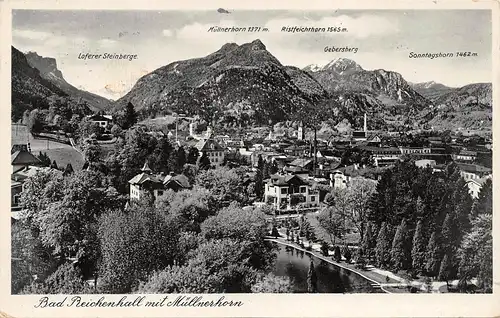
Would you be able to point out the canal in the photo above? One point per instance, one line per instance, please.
(294, 264)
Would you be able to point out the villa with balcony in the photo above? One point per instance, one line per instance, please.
(287, 192)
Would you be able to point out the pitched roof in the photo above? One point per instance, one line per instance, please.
(23, 157)
(180, 179)
(473, 168)
(282, 180)
(326, 153)
(468, 153)
(144, 177)
(98, 117)
(30, 171)
(208, 145)
(299, 162)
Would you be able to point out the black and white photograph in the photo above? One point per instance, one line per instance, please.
(239, 151)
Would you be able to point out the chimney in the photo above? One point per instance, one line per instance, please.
(366, 125)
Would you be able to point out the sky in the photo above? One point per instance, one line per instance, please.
(384, 39)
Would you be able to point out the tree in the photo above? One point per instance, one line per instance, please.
(359, 195)
(484, 202)
(54, 165)
(67, 223)
(134, 245)
(401, 247)
(224, 184)
(274, 232)
(216, 266)
(203, 162)
(418, 248)
(35, 121)
(91, 151)
(367, 243)
(68, 170)
(448, 233)
(189, 208)
(67, 279)
(116, 131)
(29, 258)
(271, 283)
(383, 248)
(248, 226)
(445, 269)
(433, 255)
(259, 178)
(332, 223)
(347, 254)
(324, 248)
(177, 160)
(130, 117)
(39, 190)
(476, 252)
(88, 129)
(44, 159)
(193, 155)
(312, 279)
(336, 254)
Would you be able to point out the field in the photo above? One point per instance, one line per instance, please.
(61, 153)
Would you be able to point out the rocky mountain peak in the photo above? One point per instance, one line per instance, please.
(258, 45)
(44, 64)
(341, 65)
(228, 47)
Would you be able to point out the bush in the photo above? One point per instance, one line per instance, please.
(274, 232)
(336, 254)
(324, 248)
(347, 254)
(308, 248)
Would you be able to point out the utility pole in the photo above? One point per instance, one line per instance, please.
(315, 152)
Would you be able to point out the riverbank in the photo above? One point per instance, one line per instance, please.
(385, 280)
(374, 282)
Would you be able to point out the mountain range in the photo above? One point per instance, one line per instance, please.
(35, 80)
(247, 84)
(49, 71)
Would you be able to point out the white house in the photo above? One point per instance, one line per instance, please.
(288, 191)
(213, 150)
(424, 163)
(465, 155)
(103, 121)
(473, 172)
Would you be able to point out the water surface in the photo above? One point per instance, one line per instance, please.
(294, 264)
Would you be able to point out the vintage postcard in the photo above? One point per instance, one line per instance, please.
(290, 159)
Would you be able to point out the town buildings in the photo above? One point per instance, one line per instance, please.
(24, 165)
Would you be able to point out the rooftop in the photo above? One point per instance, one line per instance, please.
(288, 179)
(23, 157)
(473, 168)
